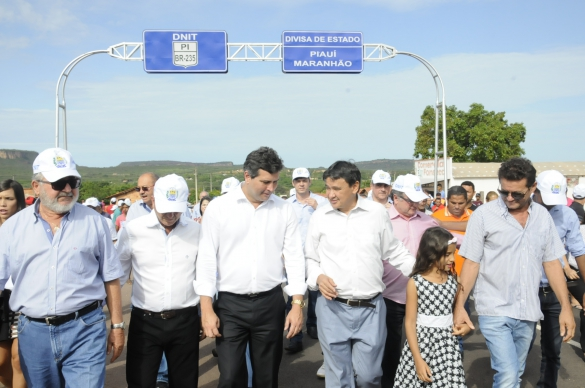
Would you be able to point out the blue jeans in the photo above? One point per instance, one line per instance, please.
(508, 341)
(72, 354)
(163, 370)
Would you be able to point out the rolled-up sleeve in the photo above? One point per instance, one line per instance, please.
(110, 267)
(125, 255)
(473, 244)
(205, 283)
(5, 237)
(574, 239)
(294, 259)
(313, 261)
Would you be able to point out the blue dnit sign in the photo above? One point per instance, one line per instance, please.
(185, 51)
(322, 52)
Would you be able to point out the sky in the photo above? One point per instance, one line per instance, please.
(526, 58)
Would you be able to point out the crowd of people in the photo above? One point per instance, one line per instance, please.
(371, 264)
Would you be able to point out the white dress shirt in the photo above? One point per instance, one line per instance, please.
(350, 249)
(164, 265)
(246, 250)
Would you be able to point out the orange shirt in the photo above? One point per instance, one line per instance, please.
(445, 215)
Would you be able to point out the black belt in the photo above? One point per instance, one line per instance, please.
(545, 289)
(168, 314)
(59, 320)
(358, 302)
(255, 294)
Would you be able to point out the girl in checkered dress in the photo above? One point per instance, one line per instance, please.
(431, 356)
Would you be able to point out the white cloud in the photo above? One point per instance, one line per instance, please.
(14, 43)
(310, 119)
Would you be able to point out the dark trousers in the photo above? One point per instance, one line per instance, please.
(311, 316)
(177, 337)
(577, 289)
(394, 319)
(255, 319)
(550, 339)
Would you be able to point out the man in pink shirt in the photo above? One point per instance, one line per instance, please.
(409, 224)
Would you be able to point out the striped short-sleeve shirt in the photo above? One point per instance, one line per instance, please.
(510, 258)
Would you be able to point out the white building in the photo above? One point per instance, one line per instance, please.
(485, 175)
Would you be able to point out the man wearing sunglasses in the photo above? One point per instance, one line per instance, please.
(63, 264)
(507, 242)
(145, 188)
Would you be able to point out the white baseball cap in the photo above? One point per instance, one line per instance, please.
(113, 200)
(381, 177)
(553, 187)
(292, 192)
(410, 185)
(120, 202)
(171, 194)
(127, 202)
(301, 172)
(229, 184)
(579, 191)
(54, 164)
(93, 202)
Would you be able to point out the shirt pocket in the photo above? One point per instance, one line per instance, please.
(83, 261)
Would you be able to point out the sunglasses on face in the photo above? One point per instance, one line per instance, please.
(515, 194)
(72, 181)
(406, 199)
(142, 188)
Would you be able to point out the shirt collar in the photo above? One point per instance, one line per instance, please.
(239, 194)
(362, 203)
(151, 220)
(37, 214)
(394, 214)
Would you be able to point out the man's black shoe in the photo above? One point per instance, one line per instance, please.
(312, 332)
(294, 347)
(162, 384)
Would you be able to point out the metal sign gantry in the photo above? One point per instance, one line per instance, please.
(263, 52)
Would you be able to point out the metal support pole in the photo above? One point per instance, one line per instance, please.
(440, 89)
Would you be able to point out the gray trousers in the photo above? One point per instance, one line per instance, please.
(352, 340)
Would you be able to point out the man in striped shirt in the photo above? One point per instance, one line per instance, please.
(507, 243)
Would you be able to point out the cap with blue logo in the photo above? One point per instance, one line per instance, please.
(410, 185)
(553, 187)
(54, 164)
(171, 194)
(381, 177)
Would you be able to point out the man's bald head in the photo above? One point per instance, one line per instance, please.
(146, 183)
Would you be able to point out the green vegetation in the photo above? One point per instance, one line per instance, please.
(475, 136)
(104, 182)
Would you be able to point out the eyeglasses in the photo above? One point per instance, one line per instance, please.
(72, 181)
(516, 195)
(143, 188)
(408, 200)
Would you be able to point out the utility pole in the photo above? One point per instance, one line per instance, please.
(196, 194)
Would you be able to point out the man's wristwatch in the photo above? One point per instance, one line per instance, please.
(119, 326)
(300, 302)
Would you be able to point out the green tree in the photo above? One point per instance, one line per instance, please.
(474, 136)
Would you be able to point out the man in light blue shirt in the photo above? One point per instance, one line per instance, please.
(63, 265)
(507, 242)
(550, 192)
(304, 202)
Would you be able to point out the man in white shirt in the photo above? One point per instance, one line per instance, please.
(304, 203)
(161, 248)
(380, 187)
(347, 243)
(145, 187)
(249, 237)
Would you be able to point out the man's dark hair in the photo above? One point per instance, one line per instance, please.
(456, 190)
(468, 183)
(264, 158)
(517, 169)
(344, 170)
(397, 193)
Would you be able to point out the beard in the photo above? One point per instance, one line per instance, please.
(53, 203)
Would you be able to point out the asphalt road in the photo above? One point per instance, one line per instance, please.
(299, 370)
